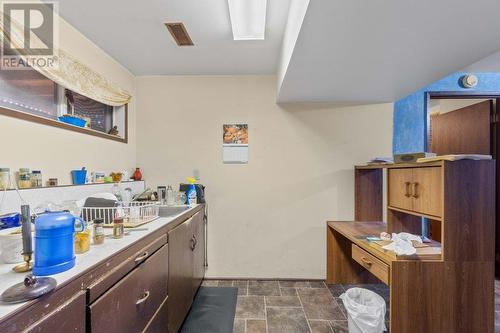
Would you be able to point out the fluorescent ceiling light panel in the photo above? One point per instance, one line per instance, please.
(248, 19)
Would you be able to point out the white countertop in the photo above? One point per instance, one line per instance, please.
(96, 254)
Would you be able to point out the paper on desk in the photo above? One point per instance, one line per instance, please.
(402, 243)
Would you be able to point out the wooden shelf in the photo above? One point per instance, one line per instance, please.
(70, 185)
(397, 165)
(435, 218)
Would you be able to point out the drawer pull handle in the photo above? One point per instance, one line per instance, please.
(143, 298)
(193, 243)
(415, 190)
(366, 261)
(407, 189)
(141, 257)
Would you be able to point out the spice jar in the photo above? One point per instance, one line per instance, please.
(52, 182)
(24, 178)
(99, 231)
(118, 227)
(36, 178)
(4, 178)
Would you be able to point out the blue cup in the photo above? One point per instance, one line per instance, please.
(79, 176)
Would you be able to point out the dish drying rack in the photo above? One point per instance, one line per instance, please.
(134, 213)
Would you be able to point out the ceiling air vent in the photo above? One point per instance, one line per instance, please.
(179, 33)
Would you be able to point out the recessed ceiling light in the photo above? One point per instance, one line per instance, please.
(248, 19)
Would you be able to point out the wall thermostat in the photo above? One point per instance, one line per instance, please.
(469, 81)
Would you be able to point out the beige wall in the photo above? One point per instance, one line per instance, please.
(57, 151)
(267, 218)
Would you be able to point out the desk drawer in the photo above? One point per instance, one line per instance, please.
(371, 263)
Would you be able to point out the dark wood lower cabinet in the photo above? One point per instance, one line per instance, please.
(147, 287)
(132, 303)
(68, 318)
(159, 323)
(180, 279)
(198, 224)
(187, 268)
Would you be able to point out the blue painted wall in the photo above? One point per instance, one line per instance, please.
(410, 113)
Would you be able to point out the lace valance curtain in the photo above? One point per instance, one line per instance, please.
(68, 72)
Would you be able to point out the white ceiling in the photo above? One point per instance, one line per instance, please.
(360, 51)
(354, 51)
(133, 33)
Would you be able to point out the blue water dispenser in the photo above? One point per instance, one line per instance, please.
(54, 239)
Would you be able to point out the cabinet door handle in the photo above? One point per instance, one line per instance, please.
(366, 261)
(193, 243)
(143, 298)
(415, 190)
(407, 189)
(141, 257)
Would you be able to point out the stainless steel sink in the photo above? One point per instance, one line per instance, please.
(168, 211)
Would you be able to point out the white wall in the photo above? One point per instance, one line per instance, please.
(56, 151)
(267, 218)
(489, 64)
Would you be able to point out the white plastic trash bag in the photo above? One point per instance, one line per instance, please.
(365, 311)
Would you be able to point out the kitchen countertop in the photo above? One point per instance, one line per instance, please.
(85, 261)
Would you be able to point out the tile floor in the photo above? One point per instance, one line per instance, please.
(290, 306)
(299, 306)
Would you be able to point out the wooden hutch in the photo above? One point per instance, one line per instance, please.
(447, 286)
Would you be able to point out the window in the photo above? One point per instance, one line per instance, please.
(99, 116)
(29, 95)
(28, 91)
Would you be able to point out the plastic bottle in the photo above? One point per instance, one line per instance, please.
(191, 198)
(170, 196)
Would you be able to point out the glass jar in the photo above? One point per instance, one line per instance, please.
(118, 228)
(24, 178)
(52, 182)
(99, 235)
(82, 239)
(4, 178)
(36, 178)
(119, 215)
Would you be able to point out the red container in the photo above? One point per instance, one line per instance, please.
(137, 174)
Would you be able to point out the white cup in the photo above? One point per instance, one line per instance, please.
(11, 245)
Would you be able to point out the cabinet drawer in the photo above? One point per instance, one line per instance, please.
(371, 263)
(118, 266)
(131, 303)
(68, 318)
(159, 323)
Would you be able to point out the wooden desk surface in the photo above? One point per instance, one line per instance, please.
(357, 232)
